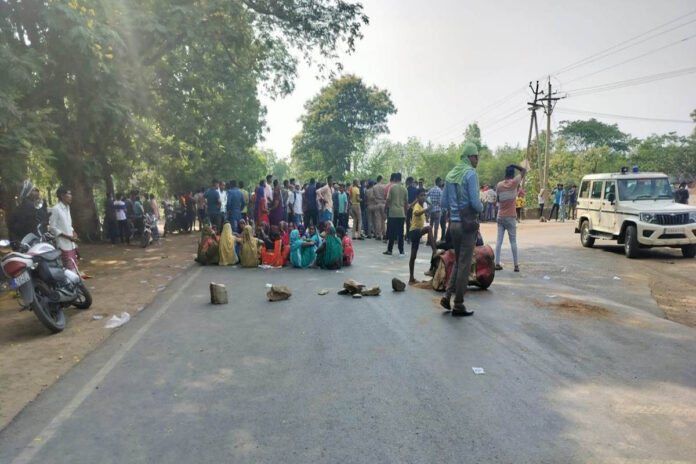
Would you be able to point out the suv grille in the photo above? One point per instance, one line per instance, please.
(673, 219)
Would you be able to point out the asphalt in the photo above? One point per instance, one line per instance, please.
(384, 379)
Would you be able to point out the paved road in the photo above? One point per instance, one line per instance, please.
(385, 379)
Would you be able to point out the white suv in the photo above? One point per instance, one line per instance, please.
(635, 209)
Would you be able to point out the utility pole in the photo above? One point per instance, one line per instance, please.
(549, 104)
(533, 124)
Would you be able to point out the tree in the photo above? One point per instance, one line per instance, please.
(337, 122)
(583, 135)
(124, 91)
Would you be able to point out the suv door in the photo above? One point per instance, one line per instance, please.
(595, 203)
(607, 210)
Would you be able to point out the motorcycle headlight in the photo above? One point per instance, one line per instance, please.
(692, 217)
(650, 218)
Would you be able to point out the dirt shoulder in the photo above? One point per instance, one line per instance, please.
(124, 279)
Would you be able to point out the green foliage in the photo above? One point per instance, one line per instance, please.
(583, 135)
(337, 123)
(156, 94)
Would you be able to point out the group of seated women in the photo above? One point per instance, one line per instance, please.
(276, 246)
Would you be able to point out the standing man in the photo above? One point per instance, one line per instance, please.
(417, 230)
(310, 203)
(214, 205)
(268, 191)
(434, 197)
(325, 198)
(285, 195)
(556, 201)
(363, 208)
(222, 189)
(200, 206)
(297, 205)
(60, 224)
(380, 202)
(342, 208)
(397, 205)
(540, 200)
(572, 202)
(681, 195)
(461, 199)
(563, 201)
(356, 210)
(245, 195)
(235, 204)
(412, 193)
(507, 217)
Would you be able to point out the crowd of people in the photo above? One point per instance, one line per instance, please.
(288, 224)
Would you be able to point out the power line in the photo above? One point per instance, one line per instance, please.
(626, 47)
(633, 58)
(591, 57)
(630, 82)
(621, 116)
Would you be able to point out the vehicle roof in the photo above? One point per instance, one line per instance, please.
(628, 175)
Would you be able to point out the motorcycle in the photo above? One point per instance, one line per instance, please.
(175, 219)
(150, 233)
(36, 271)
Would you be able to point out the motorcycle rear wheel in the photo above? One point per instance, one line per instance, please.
(84, 298)
(48, 313)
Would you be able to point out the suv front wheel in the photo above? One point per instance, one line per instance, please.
(631, 246)
(688, 251)
(585, 238)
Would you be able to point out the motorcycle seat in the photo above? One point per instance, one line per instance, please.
(49, 255)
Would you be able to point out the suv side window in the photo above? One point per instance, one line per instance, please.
(596, 189)
(609, 187)
(585, 189)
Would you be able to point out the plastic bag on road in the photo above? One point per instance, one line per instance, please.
(117, 321)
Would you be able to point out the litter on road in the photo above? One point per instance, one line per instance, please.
(617, 278)
(117, 321)
(478, 370)
(323, 291)
(547, 278)
(96, 317)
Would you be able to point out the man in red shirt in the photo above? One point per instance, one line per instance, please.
(507, 214)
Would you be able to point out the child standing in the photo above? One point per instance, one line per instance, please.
(418, 229)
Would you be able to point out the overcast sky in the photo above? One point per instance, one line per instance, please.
(446, 61)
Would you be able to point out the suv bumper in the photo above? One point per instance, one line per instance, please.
(656, 235)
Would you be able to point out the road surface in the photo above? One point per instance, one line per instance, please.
(574, 372)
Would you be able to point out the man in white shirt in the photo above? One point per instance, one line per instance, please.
(223, 200)
(297, 205)
(60, 225)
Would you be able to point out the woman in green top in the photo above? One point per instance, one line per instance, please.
(302, 253)
(330, 252)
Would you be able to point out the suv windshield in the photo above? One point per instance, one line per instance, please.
(645, 189)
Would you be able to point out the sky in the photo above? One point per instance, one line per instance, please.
(448, 63)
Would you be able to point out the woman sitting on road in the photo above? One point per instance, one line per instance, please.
(347, 245)
(302, 252)
(274, 255)
(249, 255)
(228, 253)
(208, 247)
(330, 252)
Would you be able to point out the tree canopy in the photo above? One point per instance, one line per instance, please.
(108, 94)
(337, 123)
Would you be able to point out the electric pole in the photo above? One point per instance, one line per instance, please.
(549, 104)
(533, 107)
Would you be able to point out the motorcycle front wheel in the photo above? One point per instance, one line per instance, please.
(50, 314)
(84, 298)
(145, 239)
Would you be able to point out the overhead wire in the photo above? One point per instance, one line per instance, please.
(629, 82)
(650, 52)
(606, 51)
(622, 116)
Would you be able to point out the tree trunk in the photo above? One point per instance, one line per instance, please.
(83, 210)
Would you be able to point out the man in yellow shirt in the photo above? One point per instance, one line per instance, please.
(355, 210)
(418, 229)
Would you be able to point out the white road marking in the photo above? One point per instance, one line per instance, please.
(50, 430)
